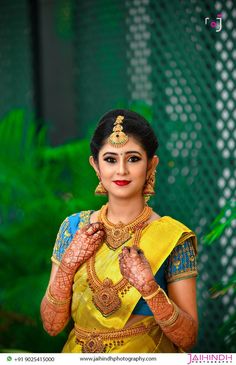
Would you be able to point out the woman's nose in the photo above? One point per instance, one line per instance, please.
(122, 168)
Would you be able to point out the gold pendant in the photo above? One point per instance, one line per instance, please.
(106, 298)
(117, 236)
(93, 344)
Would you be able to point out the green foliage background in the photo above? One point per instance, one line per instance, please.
(114, 55)
(224, 220)
(40, 186)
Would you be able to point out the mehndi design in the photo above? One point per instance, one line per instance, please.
(178, 325)
(137, 270)
(55, 307)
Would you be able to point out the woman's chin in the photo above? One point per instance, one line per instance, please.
(122, 194)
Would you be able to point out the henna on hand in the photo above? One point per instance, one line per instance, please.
(54, 317)
(86, 241)
(137, 270)
(55, 312)
(183, 332)
(55, 306)
(177, 325)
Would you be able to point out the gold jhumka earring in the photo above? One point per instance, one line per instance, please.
(100, 189)
(148, 189)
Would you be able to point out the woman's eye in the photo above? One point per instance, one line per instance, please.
(134, 159)
(110, 159)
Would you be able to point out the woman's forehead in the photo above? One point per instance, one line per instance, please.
(132, 145)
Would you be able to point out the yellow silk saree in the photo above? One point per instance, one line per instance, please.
(93, 332)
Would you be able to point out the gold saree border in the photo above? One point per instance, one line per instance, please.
(98, 341)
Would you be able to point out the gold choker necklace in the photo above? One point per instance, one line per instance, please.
(118, 234)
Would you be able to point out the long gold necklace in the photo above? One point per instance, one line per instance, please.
(118, 234)
(106, 294)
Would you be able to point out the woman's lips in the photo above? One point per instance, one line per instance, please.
(121, 182)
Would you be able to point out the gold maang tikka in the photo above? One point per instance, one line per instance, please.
(118, 138)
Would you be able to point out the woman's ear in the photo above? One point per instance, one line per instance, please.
(152, 165)
(94, 164)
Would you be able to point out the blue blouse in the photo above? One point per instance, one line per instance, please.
(180, 264)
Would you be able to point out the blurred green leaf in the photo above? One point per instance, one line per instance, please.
(221, 222)
(222, 288)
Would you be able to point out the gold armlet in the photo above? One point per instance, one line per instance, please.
(168, 322)
(153, 294)
(55, 301)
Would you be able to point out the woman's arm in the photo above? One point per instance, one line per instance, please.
(176, 314)
(55, 306)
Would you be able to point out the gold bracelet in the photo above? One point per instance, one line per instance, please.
(153, 294)
(55, 301)
(172, 319)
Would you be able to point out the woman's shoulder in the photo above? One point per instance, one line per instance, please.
(168, 220)
(154, 217)
(77, 220)
(176, 228)
(67, 231)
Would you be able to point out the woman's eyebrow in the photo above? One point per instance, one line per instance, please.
(116, 154)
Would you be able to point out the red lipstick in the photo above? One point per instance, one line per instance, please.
(121, 182)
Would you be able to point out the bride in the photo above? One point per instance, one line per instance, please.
(126, 275)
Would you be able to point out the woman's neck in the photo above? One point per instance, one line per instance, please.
(123, 210)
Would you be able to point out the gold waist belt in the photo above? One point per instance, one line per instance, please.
(98, 341)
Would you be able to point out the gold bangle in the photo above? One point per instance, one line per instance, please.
(172, 319)
(166, 296)
(153, 294)
(55, 301)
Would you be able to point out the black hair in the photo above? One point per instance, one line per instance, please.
(133, 125)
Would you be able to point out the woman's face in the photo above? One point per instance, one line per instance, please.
(123, 171)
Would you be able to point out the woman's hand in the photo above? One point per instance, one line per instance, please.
(137, 270)
(55, 307)
(85, 242)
